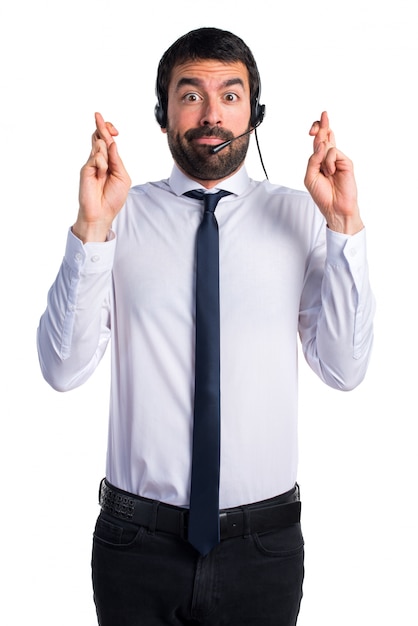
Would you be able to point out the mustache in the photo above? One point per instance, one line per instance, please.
(205, 131)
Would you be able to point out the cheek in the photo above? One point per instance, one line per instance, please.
(180, 120)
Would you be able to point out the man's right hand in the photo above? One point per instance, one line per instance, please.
(104, 185)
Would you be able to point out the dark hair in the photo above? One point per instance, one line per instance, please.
(203, 43)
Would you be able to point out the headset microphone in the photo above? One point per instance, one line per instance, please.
(223, 145)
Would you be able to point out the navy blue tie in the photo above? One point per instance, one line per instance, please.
(203, 531)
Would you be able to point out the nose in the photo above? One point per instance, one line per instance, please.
(211, 113)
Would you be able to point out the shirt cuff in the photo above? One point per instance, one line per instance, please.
(92, 257)
(346, 249)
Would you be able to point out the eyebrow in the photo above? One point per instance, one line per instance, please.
(196, 82)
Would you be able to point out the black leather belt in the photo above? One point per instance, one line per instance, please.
(265, 516)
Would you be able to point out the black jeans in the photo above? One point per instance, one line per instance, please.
(143, 578)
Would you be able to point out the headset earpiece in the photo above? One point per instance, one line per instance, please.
(160, 114)
(257, 110)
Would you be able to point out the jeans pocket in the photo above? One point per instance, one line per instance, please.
(281, 542)
(116, 533)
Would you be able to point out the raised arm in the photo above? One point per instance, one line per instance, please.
(337, 305)
(75, 328)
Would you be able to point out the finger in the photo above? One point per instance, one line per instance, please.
(321, 125)
(322, 132)
(105, 160)
(314, 128)
(97, 141)
(115, 164)
(95, 167)
(328, 134)
(99, 148)
(314, 167)
(324, 129)
(329, 163)
(324, 121)
(335, 160)
(104, 130)
(101, 164)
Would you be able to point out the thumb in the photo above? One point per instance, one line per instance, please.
(115, 162)
(116, 166)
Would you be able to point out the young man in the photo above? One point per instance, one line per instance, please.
(289, 263)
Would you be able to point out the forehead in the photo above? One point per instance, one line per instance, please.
(209, 73)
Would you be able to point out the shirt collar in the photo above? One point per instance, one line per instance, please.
(236, 184)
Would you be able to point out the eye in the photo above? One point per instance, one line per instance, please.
(191, 97)
(231, 97)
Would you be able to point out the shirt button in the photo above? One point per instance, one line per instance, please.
(353, 252)
(78, 257)
(95, 258)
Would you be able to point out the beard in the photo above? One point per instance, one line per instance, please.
(198, 161)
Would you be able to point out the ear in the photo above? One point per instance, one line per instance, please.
(163, 130)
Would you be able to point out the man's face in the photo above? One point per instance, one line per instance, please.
(208, 103)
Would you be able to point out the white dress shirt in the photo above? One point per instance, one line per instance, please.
(282, 273)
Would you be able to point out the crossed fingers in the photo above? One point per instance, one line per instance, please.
(103, 135)
(324, 142)
(322, 133)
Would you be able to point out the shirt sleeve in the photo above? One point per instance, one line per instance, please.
(74, 330)
(337, 310)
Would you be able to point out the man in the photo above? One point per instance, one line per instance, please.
(129, 274)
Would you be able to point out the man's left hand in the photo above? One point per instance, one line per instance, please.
(330, 181)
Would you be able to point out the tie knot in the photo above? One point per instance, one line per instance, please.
(210, 199)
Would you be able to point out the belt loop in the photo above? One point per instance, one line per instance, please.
(246, 519)
(152, 525)
(184, 524)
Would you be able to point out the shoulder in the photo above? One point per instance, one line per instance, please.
(145, 201)
(279, 196)
(149, 188)
(292, 209)
(277, 190)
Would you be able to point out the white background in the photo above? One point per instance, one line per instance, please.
(60, 62)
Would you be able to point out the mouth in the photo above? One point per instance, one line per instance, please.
(207, 137)
(208, 141)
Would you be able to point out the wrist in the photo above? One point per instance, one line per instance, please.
(347, 225)
(90, 232)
